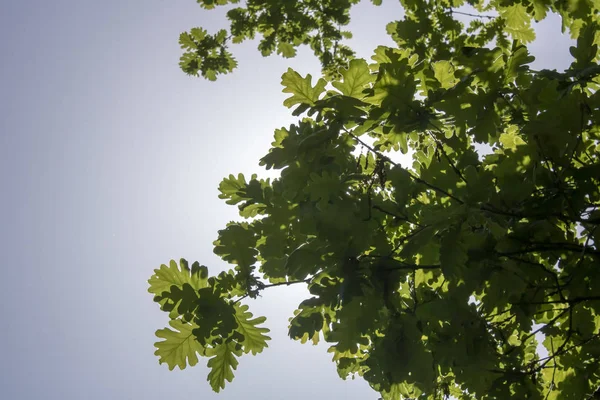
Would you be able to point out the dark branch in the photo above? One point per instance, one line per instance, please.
(573, 301)
(288, 283)
(261, 286)
(472, 15)
(412, 175)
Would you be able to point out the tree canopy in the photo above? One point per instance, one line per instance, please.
(428, 281)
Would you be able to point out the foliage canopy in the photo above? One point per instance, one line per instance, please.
(430, 281)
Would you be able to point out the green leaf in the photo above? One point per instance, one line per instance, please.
(223, 364)
(215, 317)
(511, 139)
(421, 238)
(323, 188)
(540, 9)
(307, 322)
(518, 23)
(287, 50)
(168, 282)
(255, 339)
(167, 276)
(517, 62)
(303, 261)
(181, 301)
(236, 245)
(197, 34)
(355, 79)
(179, 347)
(453, 255)
(231, 188)
(444, 73)
(587, 47)
(210, 4)
(187, 41)
(301, 88)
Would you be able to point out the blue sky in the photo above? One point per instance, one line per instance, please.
(110, 162)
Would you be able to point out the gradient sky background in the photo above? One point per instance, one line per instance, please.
(110, 159)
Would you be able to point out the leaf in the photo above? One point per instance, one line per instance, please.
(237, 245)
(453, 256)
(517, 62)
(222, 365)
(197, 34)
(287, 50)
(421, 238)
(255, 339)
(214, 317)
(316, 140)
(588, 43)
(181, 302)
(167, 276)
(231, 188)
(179, 347)
(302, 262)
(444, 73)
(518, 23)
(511, 139)
(301, 88)
(355, 79)
(348, 333)
(323, 188)
(540, 9)
(402, 184)
(170, 279)
(306, 324)
(187, 41)
(210, 4)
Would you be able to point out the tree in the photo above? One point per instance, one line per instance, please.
(430, 281)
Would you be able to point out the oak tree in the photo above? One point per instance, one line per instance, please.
(433, 280)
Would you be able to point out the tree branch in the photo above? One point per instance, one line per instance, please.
(471, 15)
(551, 386)
(545, 247)
(261, 286)
(573, 301)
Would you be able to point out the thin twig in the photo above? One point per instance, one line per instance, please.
(411, 174)
(551, 386)
(440, 146)
(287, 283)
(573, 301)
(472, 15)
(262, 286)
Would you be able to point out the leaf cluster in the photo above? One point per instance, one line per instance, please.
(204, 321)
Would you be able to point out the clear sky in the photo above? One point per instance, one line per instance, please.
(110, 159)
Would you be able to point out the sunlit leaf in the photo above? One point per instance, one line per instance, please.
(179, 347)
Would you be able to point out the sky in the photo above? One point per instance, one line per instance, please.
(110, 160)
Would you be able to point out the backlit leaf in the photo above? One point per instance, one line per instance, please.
(222, 365)
(255, 339)
(301, 88)
(355, 79)
(179, 347)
